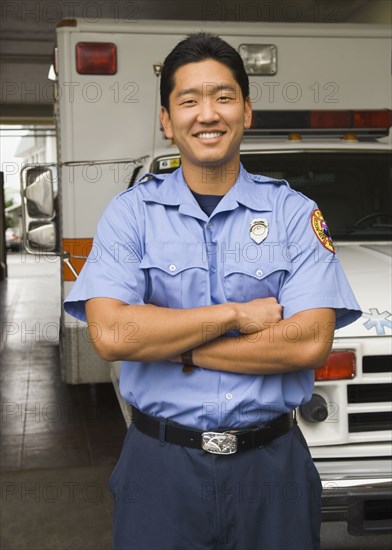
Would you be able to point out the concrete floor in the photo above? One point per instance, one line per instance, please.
(66, 435)
(59, 443)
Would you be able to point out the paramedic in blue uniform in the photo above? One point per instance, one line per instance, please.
(219, 291)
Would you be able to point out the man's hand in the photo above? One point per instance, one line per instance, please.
(258, 314)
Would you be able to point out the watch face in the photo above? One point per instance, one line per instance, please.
(187, 369)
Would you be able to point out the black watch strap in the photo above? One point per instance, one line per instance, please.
(187, 358)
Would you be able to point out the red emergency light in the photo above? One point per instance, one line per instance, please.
(338, 366)
(372, 119)
(373, 122)
(330, 119)
(96, 58)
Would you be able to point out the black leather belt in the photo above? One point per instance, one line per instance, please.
(216, 442)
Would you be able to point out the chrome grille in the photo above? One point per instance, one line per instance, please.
(369, 422)
(369, 404)
(369, 393)
(376, 363)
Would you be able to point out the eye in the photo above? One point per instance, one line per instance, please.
(225, 98)
(188, 102)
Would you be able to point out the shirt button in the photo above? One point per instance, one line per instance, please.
(210, 225)
(228, 396)
(172, 267)
(213, 270)
(259, 273)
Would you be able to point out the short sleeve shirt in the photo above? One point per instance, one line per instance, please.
(154, 245)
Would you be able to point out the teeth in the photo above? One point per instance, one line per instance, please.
(209, 135)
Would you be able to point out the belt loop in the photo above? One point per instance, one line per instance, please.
(295, 416)
(254, 430)
(162, 431)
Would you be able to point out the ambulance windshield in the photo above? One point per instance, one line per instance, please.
(353, 191)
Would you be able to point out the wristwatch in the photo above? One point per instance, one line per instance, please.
(187, 361)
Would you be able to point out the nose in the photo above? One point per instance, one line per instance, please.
(207, 111)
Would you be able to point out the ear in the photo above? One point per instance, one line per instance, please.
(166, 123)
(248, 113)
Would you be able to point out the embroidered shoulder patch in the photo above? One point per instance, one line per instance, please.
(321, 230)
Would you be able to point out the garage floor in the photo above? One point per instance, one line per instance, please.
(59, 443)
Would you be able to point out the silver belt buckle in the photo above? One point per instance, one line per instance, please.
(219, 443)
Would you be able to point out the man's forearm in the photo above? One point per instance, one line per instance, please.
(298, 343)
(150, 333)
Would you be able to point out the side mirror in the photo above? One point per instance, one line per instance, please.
(42, 237)
(39, 193)
(39, 215)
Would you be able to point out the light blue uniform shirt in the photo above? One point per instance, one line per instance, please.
(155, 245)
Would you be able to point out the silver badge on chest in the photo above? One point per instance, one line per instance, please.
(258, 229)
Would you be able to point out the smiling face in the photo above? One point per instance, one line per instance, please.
(207, 116)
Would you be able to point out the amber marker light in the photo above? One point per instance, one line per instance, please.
(338, 366)
(295, 137)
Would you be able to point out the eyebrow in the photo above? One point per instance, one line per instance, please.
(207, 85)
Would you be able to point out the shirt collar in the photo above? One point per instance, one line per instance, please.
(244, 192)
(173, 191)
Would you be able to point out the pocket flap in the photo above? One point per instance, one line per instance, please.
(258, 270)
(173, 257)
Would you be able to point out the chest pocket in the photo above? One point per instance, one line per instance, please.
(248, 281)
(176, 274)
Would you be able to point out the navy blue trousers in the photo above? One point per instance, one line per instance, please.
(168, 497)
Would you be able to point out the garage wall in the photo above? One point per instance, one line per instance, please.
(374, 12)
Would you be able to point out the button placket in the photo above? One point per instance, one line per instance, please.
(211, 251)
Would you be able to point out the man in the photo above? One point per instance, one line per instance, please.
(221, 304)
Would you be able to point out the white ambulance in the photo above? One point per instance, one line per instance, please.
(321, 96)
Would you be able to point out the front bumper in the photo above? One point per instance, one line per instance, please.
(364, 504)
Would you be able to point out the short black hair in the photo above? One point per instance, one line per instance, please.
(199, 47)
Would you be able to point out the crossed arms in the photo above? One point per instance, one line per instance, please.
(267, 344)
